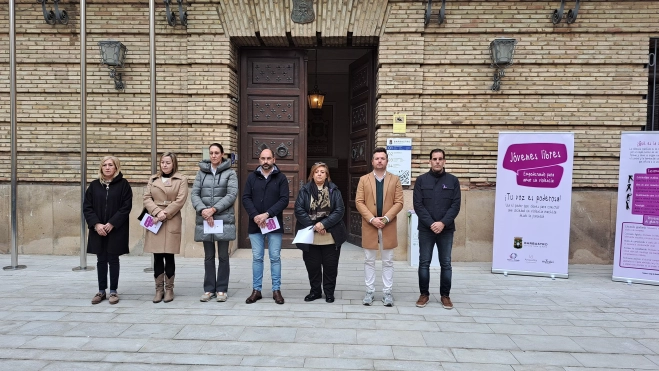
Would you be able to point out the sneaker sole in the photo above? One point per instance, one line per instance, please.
(388, 305)
(421, 305)
(445, 307)
(368, 304)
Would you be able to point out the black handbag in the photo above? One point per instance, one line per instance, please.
(142, 214)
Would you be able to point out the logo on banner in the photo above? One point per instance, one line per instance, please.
(517, 242)
(530, 259)
(547, 261)
(513, 257)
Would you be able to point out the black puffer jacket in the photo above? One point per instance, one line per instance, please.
(110, 204)
(333, 222)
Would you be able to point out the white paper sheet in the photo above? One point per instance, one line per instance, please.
(304, 235)
(218, 227)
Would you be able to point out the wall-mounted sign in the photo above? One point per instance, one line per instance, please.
(399, 151)
(400, 123)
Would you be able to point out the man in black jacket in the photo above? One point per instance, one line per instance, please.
(437, 203)
(265, 196)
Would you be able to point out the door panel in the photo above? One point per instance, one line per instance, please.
(273, 112)
(362, 102)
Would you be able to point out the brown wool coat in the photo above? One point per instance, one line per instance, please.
(169, 197)
(392, 204)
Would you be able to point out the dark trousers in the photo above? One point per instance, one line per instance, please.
(163, 263)
(104, 260)
(322, 262)
(219, 282)
(427, 241)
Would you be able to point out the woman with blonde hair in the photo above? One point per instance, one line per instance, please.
(164, 196)
(108, 201)
(319, 204)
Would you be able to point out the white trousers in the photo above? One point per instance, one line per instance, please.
(387, 269)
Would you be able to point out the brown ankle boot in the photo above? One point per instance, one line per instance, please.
(169, 289)
(160, 291)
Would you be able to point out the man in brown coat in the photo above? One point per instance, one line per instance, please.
(379, 200)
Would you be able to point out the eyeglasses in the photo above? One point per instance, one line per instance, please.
(320, 163)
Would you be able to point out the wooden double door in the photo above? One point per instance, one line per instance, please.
(273, 114)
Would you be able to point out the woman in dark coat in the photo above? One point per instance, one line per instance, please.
(213, 194)
(319, 203)
(108, 201)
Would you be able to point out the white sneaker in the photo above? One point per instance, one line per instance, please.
(368, 299)
(388, 299)
(222, 296)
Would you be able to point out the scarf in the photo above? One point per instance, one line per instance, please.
(320, 203)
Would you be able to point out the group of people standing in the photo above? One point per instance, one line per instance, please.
(319, 206)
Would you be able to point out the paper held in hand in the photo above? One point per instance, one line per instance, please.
(218, 227)
(151, 223)
(304, 235)
(271, 224)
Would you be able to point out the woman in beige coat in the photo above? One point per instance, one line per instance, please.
(164, 197)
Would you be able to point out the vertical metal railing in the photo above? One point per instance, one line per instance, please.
(12, 102)
(83, 136)
(653, 87)
(152, 83)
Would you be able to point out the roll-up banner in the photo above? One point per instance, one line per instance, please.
(636, 255)
(533, 202)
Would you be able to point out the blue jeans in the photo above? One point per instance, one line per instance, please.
(258, 250)
(427, 241)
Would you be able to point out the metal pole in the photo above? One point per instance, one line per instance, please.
(12, 99)
(152, 83)
(83, 135)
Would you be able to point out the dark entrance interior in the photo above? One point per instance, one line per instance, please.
(274, 113)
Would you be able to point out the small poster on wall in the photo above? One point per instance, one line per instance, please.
(399, 151)
(636, 255)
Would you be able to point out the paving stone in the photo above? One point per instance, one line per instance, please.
(423, 353)
(269, 334)
(56, 342)
(615, 361)
(22, 364)
(338, 363)
(475, 367)
(205, 332)
(115, 344)
(363, 351)
(546, 343)
(270, 361)
(611, 345)
(470, 341)
(67, 366)
(172, 346)
(298, 350)
(545, 358)
(326, 336)
(484, 356)
(380, 364)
